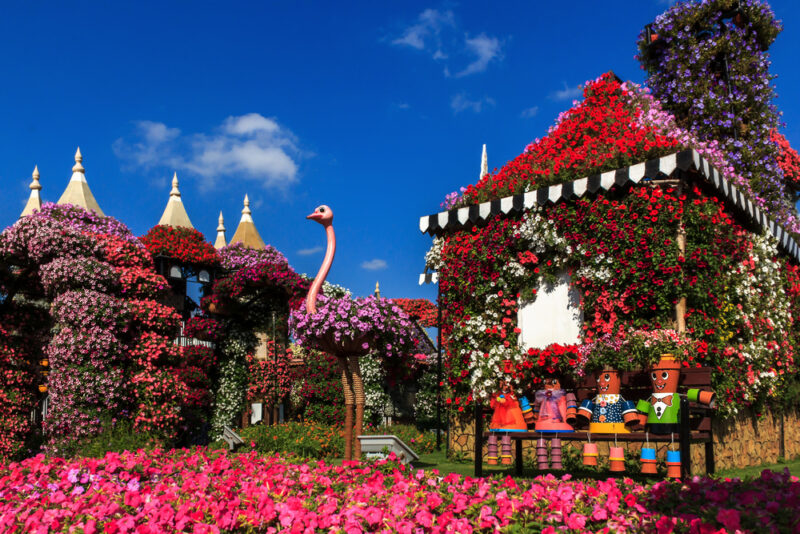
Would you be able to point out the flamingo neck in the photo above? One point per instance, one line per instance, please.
(316, 286)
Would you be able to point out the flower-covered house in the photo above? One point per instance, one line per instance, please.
(630, 221)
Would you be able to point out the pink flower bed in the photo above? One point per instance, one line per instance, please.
(210, 491)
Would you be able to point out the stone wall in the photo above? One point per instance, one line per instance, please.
(742, 440)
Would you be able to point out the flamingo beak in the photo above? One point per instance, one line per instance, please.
(314, 216)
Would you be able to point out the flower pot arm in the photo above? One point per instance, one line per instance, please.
(702, 396)
(572, 408)
(585, 412)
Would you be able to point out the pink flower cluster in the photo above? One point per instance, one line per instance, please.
(210, 491)
(202, 491)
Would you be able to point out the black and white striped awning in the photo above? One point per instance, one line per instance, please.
(456, 219)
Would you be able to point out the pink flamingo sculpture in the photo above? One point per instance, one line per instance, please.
(347, 352)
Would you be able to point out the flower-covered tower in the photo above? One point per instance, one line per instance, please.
(708, 64)
(77, 192)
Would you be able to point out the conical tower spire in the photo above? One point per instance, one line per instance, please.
(77, 191)
(246, 233)
(220, 242)
(35, 199)
(377, 290)
(175, 213)
(484, 163)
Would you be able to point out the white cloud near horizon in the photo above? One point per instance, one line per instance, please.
(461, 102)
(248, 146)
(309, 251)
(437, 34)
(567, 93)
(374, 265)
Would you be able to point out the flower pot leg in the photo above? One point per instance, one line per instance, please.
(360, 399)
(349, 402)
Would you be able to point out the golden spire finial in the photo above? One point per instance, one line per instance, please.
(175, 192)
(377, 289)
(35, 183)
(78, 159)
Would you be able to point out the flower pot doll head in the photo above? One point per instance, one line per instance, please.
(608, 412)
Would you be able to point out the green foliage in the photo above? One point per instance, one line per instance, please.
(115, 437)
(319, 441)
(307, 440)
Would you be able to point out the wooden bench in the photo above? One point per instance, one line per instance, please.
(695, 421)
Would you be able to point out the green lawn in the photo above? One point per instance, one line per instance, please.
(438, 460)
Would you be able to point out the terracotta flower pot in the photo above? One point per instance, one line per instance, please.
(42, 388)
(616, 457)
(590, 454)
(217, 309)
(648, 460)
(674, 464)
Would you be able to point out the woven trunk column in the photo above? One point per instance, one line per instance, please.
(349, 402)
(680, 306)
(358, 390)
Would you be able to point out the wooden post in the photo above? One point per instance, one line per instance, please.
(680, 306)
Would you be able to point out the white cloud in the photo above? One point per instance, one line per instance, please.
(437, 34)
(249, 146)
(485, 49)
(309, 251)
(250, 123)
(567, 93)
(374, 265)
(427, 30)
(529, 112)
(461, 102)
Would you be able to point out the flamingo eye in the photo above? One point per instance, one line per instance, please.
(322, 210)
(664, 375)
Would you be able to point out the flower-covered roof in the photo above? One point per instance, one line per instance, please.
(617, 135)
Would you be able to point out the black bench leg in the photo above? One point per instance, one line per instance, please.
(686, 451)
(519, 457)
(710, 456)
(478, 439)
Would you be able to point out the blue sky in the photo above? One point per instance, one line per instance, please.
(377, 110)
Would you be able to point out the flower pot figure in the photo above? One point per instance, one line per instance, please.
(608, 412)
(648, 460)
(616, 457)
(554, 410)
(507, 417)
(661, 412)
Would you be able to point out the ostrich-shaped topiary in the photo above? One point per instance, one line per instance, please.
(347, 351)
